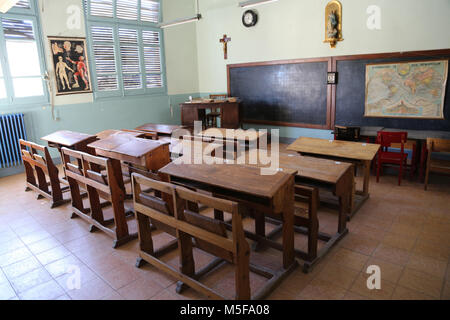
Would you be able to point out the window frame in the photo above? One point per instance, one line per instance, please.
(30, 14)
(116, 24)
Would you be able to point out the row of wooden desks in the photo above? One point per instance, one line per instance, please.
(266, 194)
(358, 153)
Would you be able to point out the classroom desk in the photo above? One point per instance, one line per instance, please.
(69, 139)
(324, 174)
(273, 194)
(359, 153)
(149, 154)
(161, 129)
(196, 111)
(107, 133)
(249, 138)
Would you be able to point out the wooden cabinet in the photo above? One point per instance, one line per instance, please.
(230, 115)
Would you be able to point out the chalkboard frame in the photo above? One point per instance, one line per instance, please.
(329, 116)
(331, 88)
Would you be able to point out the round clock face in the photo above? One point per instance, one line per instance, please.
(249, 18)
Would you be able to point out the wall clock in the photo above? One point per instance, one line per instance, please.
(249, 18)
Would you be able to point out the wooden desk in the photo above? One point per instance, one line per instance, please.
(107, 133)
(330, 175)
(249, 138)
(161, 129)
(69, 139)
(272, 194)
(229, 113)
(150, 154)
(355, 152)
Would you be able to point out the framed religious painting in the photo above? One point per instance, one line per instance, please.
(71, 65)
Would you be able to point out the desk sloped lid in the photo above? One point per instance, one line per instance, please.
(67, 138)
(127, 145)
(335, 148)
(234, 177)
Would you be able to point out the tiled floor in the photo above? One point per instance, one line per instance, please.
(404, 230)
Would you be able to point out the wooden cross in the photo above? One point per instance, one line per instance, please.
(225, 41)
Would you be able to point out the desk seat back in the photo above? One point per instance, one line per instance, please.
(35, 155)
(390, 139)
(97, 174)
(210, 235)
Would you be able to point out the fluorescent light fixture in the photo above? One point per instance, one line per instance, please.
(180, 21)
(252, 3)
(5, 5)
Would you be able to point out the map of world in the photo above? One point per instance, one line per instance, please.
(406, 90)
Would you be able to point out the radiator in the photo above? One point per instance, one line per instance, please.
(12, 128)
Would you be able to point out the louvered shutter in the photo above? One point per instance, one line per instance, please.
(105, 58)
(152, 58)
(137, 59)
(150, 11)
(25, 4)
(101, 8)
(130, 60)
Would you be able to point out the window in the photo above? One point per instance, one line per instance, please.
(125, 46)
(21, 66)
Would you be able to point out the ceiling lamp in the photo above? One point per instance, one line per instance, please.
(252, 3)
(176, 22)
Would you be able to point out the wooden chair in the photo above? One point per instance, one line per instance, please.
(386, 140)
(436, 165)
(347, 133)
(41, 166)
(103, 180)
(174, 213)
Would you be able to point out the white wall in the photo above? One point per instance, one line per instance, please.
(54, 17)
(290, 29)
(180, 48)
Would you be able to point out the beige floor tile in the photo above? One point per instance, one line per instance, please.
(320, 290)
(22, 267)
(46, 291)
(360, 244)
(401, 293)
(339, 275)
(30, 280)
(348, 258)
(141, 289)
(121, 276)
(52, 255)
(421, 282)
(400, 241)
(14, 256)
(360, 287)
(389, 271)
(91, 290)
(446, 292)
(427, 265)
(392, 254)
(6, 291)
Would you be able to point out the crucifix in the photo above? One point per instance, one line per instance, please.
(225, 41)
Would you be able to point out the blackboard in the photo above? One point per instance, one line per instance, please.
(284, 93)
(350, 97)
